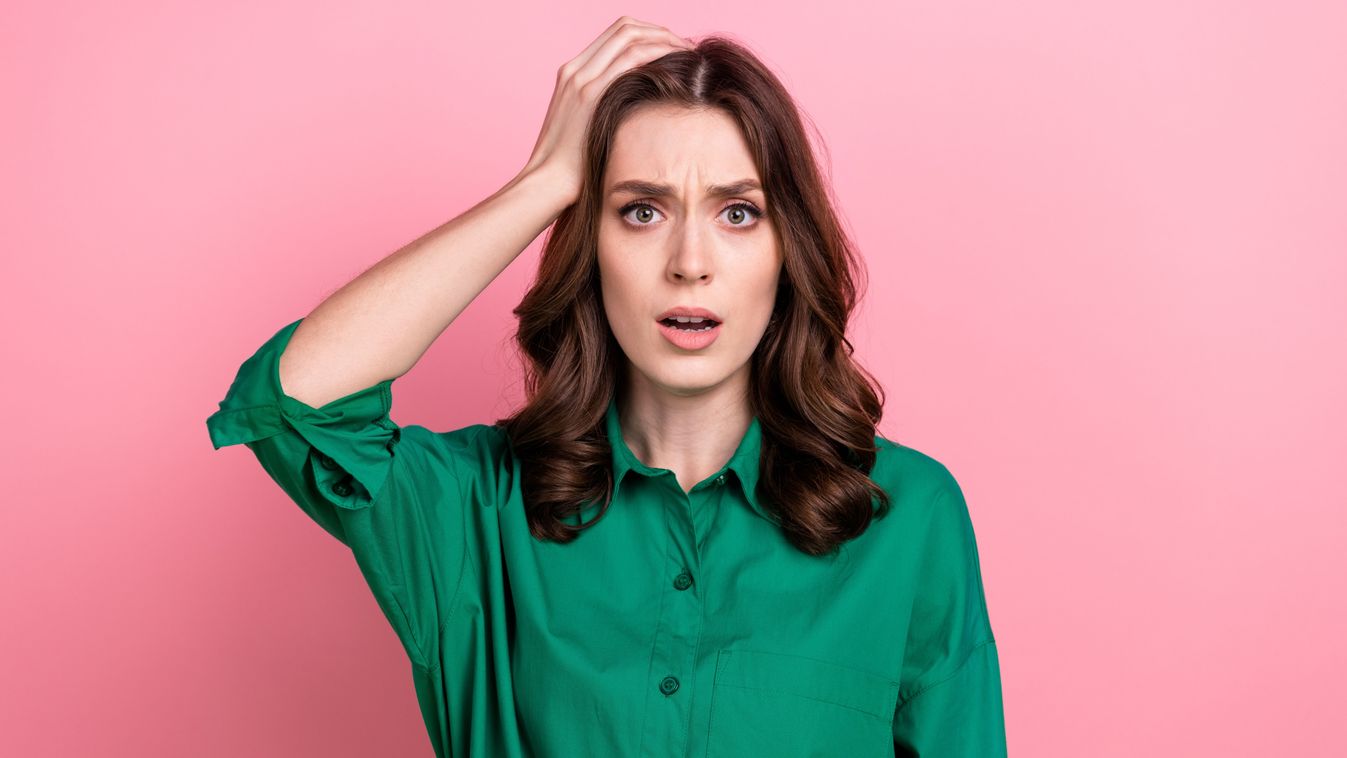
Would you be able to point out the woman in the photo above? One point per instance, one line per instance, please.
(690, 540)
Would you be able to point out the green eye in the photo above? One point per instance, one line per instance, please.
(746, 209)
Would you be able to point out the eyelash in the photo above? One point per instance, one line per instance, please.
(753, 210)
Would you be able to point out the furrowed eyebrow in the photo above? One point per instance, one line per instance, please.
(655, 189)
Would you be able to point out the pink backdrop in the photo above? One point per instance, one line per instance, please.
(1108, 262)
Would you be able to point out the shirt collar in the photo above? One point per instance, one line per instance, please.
(744, 462)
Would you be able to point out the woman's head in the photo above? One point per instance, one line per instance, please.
(682, 226)
(663, 134)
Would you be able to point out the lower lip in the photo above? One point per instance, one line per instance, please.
(689, 340)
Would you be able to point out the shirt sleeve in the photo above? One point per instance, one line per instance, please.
(949, 705)
(386, 492)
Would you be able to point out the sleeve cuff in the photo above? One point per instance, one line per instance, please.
(351, 438)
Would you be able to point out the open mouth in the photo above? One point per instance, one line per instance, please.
(702, 325)
(688, 334)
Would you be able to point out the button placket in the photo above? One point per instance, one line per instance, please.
(678, 630)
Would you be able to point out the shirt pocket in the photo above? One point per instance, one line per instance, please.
(766, 703)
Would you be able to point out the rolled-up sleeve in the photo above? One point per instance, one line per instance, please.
(950, 705)
(389, 493)
(338, 455)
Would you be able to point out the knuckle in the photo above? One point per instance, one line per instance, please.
(638, 50)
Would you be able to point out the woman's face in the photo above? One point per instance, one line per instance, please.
(684, 245)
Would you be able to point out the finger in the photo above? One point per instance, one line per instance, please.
(585, 55)
(626, 37)
(631, 57)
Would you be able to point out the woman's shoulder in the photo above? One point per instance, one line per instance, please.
(471, 437)
(474, 450)
(907, 472)
(927, 499)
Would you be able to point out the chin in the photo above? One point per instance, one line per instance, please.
(692, 383)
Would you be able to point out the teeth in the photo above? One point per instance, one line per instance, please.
(688, 319)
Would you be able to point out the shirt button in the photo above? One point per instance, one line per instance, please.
(327, 461)
(668, 685)
(341, 488)
(683, 581)
(720, 479)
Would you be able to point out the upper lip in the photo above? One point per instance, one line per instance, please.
(683, 310)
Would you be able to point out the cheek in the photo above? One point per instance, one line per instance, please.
(628, 279)
(624, 302)
(765, 279)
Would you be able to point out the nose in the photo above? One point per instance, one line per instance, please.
(690, 259)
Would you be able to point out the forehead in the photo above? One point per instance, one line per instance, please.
(679, 146)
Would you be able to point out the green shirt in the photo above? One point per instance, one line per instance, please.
(681, 624)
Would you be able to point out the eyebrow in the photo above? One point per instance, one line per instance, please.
(655, 189)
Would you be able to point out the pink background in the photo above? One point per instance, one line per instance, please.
(1107, 249)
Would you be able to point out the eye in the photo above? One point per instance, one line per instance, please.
(645, 208)
(745, 210)
(644, 217)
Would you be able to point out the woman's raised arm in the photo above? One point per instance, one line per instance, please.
(378, 326)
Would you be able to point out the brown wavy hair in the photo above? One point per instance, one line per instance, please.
(817, 408)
